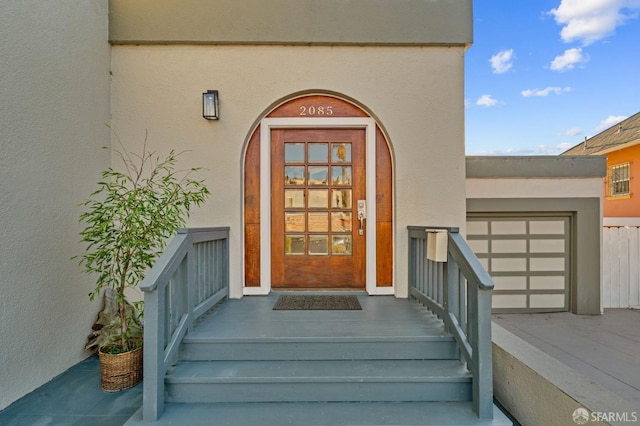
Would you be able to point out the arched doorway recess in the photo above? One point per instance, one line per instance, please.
(320, 214)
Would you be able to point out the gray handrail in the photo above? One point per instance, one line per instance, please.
(187, 280)
(459, 292)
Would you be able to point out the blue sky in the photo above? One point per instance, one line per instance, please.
(542, 75)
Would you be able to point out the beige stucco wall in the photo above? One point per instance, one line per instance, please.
(416, 93)
(54, 103)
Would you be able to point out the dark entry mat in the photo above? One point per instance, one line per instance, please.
(317, 303)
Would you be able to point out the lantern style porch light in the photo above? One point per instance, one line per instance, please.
(210, 105)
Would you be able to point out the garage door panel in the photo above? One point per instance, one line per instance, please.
(547, 301)
(510, 283)
(508, 265)
(547, 246)
(499, 227)
(508, 246)
(547, 264)
(509, 301)
(547, 227)
(547, 283)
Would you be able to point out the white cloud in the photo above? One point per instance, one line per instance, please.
(611, 120)
(502, 61)
(545, 92)
(568, 60)
(591, 20)
(486, 101)
(574, 131)
(532, 150)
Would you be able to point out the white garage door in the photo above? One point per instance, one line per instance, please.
(528, 258)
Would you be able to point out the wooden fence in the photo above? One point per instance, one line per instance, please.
(621, 263)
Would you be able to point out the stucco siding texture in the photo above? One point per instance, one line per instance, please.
(301, 22)
(415, 93)
(54, 105)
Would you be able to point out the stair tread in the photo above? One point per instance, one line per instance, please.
(319, 339)
(319, 371)
(323, 414)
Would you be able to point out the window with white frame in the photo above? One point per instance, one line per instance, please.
(619, 180)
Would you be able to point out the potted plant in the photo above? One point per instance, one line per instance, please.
(128, 220)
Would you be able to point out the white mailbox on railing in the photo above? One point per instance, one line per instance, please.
(437, 245)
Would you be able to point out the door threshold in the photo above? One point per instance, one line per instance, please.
(320, 291)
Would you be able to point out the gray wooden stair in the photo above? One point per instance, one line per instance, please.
(298, 358)
(441, 346)
(319, 381)
(390, 364)
(323, 414)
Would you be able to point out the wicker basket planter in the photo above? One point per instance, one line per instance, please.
(120, 371)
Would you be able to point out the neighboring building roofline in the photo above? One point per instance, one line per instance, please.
(583, 166)
(617, 147)
(619, 136)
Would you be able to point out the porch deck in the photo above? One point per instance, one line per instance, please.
(381, 316)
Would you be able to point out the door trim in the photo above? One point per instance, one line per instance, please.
(266, 125)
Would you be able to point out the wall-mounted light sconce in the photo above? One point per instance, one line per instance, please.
(210, 105)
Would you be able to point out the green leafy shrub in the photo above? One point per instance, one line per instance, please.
(128, 221)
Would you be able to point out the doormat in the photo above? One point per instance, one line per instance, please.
(317, 303)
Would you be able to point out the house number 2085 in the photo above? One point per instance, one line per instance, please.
(315, 111)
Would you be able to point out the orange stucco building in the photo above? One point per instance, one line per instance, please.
(621, 145)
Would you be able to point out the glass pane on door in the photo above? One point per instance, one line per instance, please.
(294, 153)
(318, 152)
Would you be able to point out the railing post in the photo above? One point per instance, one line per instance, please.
(153, 383)
(482, 360)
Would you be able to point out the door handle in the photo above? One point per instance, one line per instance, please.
(362, 215)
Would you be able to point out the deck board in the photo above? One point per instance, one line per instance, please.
(381, 316)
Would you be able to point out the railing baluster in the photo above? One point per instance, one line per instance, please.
(166, 318)
(422, 267)
(464, 302)
(208, 282)
(193, 261)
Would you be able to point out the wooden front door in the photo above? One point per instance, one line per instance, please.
(317, 179)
